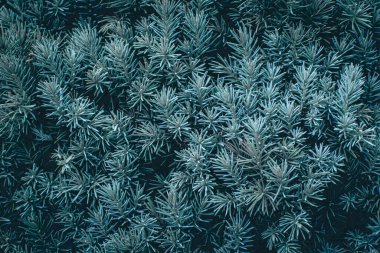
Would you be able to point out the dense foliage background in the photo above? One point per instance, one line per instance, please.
(190, 126)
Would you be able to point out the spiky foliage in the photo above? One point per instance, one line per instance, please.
(189, 126)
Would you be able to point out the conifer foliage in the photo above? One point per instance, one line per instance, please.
(190, 126)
